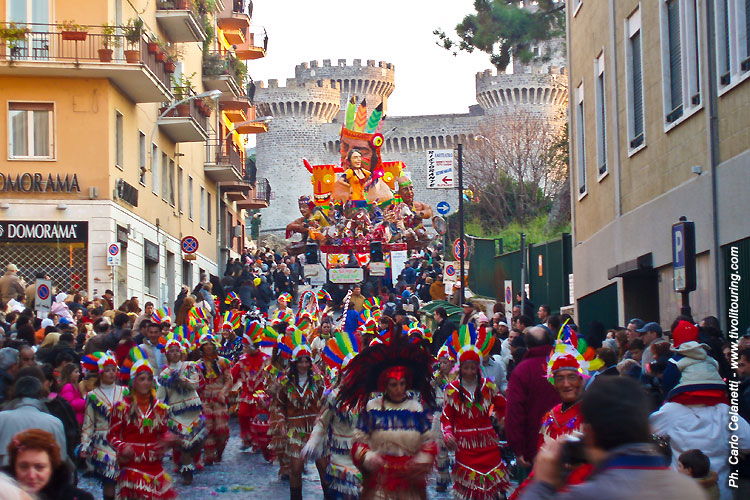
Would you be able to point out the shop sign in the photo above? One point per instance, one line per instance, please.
(43, 231)
(28, 182)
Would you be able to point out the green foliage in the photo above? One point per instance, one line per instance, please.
(133, 30)
(110, 39)
(536, 231)
(502, 29)
(70, 25)
(11, 34)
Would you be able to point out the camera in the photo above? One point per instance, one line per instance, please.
(573, 454)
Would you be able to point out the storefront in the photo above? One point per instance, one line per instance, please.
(59, 249)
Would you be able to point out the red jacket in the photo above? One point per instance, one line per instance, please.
(530, 397)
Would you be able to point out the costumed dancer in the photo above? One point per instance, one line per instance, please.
(479, 472)
(178, 384)
(334, 429)
(394, 447)
(276, 371)
(231, 346)
(99, 404)
(250, 374)
(299, 400)
(139, 434)
(443, 376)
(214, 393)
(568, 371)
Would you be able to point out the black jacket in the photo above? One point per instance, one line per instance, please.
(442, 332)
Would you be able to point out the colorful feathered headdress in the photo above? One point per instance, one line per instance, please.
(304, 322)
(231, 297)
(208, 338)
(231, 320)
(418, 330)
(371, 369)
(282, 317)
(470, 344)
(323, 295)
(253, 333)
(571, 353)
(96, 361)
(186, 333)
(445, 352)
(174, 339)
(294, 345)
(369, 327)
(162, 315)
(286, 296)
(135, 363)
(341, 349)
(197, 316)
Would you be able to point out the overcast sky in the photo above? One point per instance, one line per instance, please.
(429, 79)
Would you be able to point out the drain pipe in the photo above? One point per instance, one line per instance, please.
(712, 154)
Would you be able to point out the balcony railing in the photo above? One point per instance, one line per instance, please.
(182, 130)
(216, 64)
(46, 43)
(225, 153)
(263, 190)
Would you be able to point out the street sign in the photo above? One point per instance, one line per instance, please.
(43, 299)
(457, 249)
(508, 299)
(683, 256)
(440, 169)
(451, 272)
(189, 244)
(443, 207)
(113, 254)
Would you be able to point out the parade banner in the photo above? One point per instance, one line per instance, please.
(346, 275)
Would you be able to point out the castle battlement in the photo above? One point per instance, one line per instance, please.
(544, 93)
(356, 63)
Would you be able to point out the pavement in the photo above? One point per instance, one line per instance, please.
(243, 475)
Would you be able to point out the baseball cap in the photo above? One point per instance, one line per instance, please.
(637, 322)
(467, 304)
(650, 327)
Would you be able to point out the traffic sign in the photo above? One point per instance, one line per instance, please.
(189, 244)
(450, 271)
(457, 248)
(43, 300)
(113, 254)
(443, 207)
(683, 256)
(508, 298)
(440, 168)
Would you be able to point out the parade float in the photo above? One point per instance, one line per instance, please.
(362, 211)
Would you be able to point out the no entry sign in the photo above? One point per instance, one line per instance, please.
(43, 300)
(189, 244)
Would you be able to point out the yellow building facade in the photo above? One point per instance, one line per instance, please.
(659, 124)
(125, 122)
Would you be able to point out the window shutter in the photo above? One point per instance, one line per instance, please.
(675, 59)
(637, 89)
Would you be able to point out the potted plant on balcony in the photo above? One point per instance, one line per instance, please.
(181, 87)
(181, 4)
(133, 32)
(72, 31)
(173, 54)
(11, 35)
(109, 40)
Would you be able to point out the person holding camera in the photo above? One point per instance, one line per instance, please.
(616, 441)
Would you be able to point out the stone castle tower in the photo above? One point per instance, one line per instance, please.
(308, 113)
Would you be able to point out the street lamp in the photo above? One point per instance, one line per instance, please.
(211, 94)
(262, 119)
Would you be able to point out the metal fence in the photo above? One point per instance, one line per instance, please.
(66, 263)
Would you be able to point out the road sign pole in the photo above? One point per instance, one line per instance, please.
(523, 273)
(462, 236)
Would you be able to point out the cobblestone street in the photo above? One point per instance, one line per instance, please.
(242, 476)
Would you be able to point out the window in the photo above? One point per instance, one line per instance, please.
(190, 198)
(180, 191)
(28, 11)
(164, 177)
(577, 6)
(155, 169)
(680, 58)
(732, 19)
(634, 70)
(208, 214)
(118, 140)
(30, 131)
(601, 116)
(142, 157)
(203, 207)
(171, 182)
(580, 142)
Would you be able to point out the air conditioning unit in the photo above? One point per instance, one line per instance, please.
(237, 231)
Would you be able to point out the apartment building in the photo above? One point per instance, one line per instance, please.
(659, 129)
(126, 122)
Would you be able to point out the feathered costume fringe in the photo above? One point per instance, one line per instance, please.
(470, 484)
(137, 485)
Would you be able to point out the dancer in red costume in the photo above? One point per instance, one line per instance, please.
(214, 395)
(138, 433)
(479, 473)
(250, 373)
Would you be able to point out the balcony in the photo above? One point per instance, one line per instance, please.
(186, 123)
(237, 190)
(223, 72)
(223, 162)
(259, 197)
(248, 126)
(236, 15)
(43, 52)
(178, 21)
(248, 50)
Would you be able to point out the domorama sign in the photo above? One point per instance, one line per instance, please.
(43, 231)
(38, 183)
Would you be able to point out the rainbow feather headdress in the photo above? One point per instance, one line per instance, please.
(231, 320)
(96, 361)
(253, 334)
(571, 353)
(294, 345)
(286, 296)
(340, 350)
(162, 315)
(231, 297)
(470, 344)
(175, 339)
(282, 317)
(136, 362)
(197, 316)
(323, 295)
